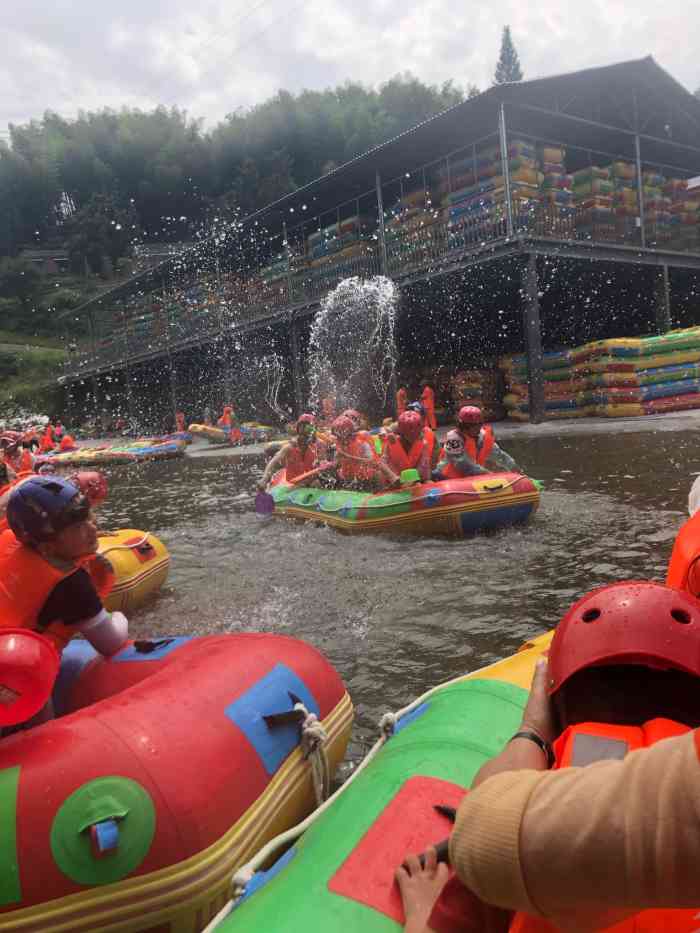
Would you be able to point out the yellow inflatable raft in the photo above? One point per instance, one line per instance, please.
(141, 564)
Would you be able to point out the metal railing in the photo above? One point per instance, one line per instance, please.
(167, 322)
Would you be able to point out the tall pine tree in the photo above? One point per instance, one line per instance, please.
(508, 68)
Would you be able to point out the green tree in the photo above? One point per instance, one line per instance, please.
(508, 68)
(20, 280)
(99, 232)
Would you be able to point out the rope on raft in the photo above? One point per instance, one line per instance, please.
(387, 728)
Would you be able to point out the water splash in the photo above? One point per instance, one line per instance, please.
(352, 350)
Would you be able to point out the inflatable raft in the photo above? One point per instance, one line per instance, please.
(115, 453)
(339, 876)
(250, 433)
(453, 508)
(141, 564)
(159, 777)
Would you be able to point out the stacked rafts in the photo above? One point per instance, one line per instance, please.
(481, 387)
(593, 197)
(561, 387)
(641, 376)
(622, 377)
(684, 214)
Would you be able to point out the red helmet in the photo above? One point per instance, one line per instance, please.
(470, 414)
(92, 484)
(638, 622)
(410, 425)
(343, 426)
(305, 419)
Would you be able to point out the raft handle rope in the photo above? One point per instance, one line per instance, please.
(135, 545)
(387, 726)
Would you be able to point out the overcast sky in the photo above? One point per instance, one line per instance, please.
(212, 56)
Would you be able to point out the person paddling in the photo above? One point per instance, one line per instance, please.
(587, 820)
(298, 456)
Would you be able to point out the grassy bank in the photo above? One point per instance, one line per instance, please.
(28, 376)
(14, 338)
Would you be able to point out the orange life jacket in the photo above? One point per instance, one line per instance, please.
(448, 470)
(26, 462)
(428, 398)
(47, 441)
(481, 454)
(401, 402)
(582, 745)
(298, 463)
(418, 457)
(67, 442)
(21, 603)
(225, 420)
(684, 566)
(353, 469)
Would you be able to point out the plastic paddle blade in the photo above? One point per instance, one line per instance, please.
(264, 503)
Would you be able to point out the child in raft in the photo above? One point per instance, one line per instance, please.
(606, 840)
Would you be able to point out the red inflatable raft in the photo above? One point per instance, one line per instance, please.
(157, 779)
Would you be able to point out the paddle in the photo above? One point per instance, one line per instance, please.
(265, 504)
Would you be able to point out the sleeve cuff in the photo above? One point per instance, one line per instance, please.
(485, 842)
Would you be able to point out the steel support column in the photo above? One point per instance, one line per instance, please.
(297, 375)
(129, 394)
(533, 338)
(383, 259)
(663, 300)
(288, 252)
(505, 162)
(640, 191)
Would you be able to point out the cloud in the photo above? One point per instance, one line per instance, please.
(214, 56)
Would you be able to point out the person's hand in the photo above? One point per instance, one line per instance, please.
(261, 485)
(538, 715)
(420, 888)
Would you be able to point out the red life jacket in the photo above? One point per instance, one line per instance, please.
(21, 603)
(416, 458)
(480, 454)
(180, 421)
(298, 463)
(352, 469)
(448, 470)
(579, 746)
(684, 566)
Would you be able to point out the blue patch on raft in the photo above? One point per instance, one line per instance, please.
(271, 695)
(495, 518)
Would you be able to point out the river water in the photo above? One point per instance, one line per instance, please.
(398, 615)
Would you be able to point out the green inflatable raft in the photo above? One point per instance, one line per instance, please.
(338, 876)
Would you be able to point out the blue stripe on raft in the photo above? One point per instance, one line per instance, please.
(131, 654)
(411, 717)
(495, 518)
(271, 695)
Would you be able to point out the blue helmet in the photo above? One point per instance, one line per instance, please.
(42, 506)
(416, 406)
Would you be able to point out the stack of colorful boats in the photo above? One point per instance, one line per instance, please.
(620, 377)
(451, 508)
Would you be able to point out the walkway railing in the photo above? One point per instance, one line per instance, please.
(162, 322)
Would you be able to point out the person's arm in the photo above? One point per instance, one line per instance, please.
(610, 839)
(75, 603)
(469, 467)
(503, 460)
(277, 462)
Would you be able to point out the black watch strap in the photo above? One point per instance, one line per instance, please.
(539, 741)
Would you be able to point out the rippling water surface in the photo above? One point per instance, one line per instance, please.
(395, 615)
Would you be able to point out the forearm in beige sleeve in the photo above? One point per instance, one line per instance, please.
(617, 833)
